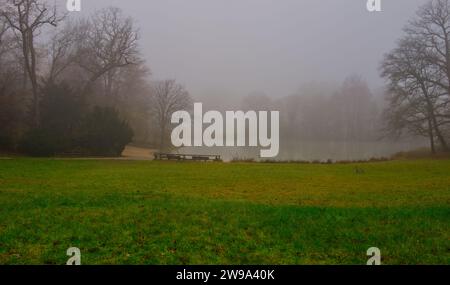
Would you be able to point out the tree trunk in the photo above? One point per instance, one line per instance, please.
(439, 135)
(29, 54)
(162, 140)
(433, 119)
(34, 82)
(431, 136)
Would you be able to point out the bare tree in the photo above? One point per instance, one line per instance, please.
(110, 42)
(352, 117)
(413, 98)
(10, 79)
(418, 72)
(4, 42)
(167, 98)
(27, 18)
(432, 28)
(99, 56)
(131, 96)
(63, 49)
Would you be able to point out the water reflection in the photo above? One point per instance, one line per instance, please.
(313, 151)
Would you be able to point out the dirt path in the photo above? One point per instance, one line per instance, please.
(129, 153)
(137, 153)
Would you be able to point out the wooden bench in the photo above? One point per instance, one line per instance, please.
(184, 157)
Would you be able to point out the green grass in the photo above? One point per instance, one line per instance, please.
(129, 212)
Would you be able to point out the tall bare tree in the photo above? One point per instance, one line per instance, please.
(27, 18)
(418, 73)
(110, 42)
(167, 98)
(412, 97)
(10, 93)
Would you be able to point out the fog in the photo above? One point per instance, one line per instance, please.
(219, 48)
(224, 51)
(316, 62)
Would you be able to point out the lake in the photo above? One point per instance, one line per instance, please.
(314, 151)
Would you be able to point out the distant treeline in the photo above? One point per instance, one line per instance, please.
(417, 93)
(349, 114)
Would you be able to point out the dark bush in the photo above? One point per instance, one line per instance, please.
(6, 142)
(61, 115)
(11, 117)
(104, 133)
(66, 127)
(40, 143)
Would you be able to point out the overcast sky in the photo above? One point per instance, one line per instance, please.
(236, 47)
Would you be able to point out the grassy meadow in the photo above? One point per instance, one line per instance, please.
(148, 212)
